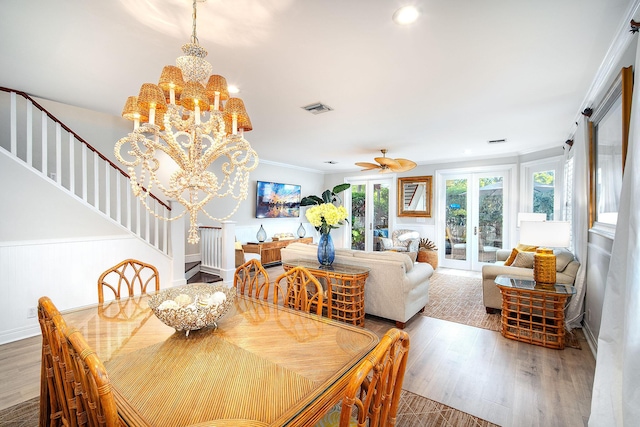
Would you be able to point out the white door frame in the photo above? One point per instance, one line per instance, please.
(510, 209)
(369, 181)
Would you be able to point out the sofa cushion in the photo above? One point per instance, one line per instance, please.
(389, 255)
(524, 260)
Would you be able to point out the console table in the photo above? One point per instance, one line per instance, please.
(344, 287)
(533, 313)
(270, 251)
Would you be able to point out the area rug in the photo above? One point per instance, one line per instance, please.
(459, 299)
(413, 411)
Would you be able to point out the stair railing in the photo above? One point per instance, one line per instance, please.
(217, 250)
(49, 147)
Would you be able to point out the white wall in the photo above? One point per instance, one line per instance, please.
(247, 225)
(65, 271)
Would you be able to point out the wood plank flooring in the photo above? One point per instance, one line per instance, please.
(474, 370)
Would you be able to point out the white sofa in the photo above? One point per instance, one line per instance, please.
(566, 271)
(396, 289)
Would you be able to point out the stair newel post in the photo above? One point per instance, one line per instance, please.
(228, 266)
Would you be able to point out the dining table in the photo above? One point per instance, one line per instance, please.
(262, 365)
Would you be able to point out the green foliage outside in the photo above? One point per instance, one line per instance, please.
(543, 193)
(358, 213)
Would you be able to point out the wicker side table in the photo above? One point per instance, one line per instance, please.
(533, 314)
(344, 286)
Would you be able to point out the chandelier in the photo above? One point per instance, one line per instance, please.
(189, 117)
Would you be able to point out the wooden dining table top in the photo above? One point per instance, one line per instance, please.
(264, 365)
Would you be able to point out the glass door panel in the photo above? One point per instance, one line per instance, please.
(369, 214)
(455, 243)
(490, 217)
(358, 216)
(473, 207)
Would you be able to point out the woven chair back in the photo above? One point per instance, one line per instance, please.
(300, 290)
(75, 388)
(375, 386)
(252, 279)
(128, 275)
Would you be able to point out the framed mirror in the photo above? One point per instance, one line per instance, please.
(608, 140)
(414, 196)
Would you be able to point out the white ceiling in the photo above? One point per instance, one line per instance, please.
(466, 72)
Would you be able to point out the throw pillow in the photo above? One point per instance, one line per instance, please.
(512, 257)
(524, 260)
(563, 258)
(526, 248)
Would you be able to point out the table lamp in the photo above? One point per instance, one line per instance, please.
(545, 235)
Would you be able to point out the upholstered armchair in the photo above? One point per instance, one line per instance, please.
(401, 241)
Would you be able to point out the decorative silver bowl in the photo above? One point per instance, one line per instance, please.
(192, 307)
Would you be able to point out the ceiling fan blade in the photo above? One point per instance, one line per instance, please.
(367, 166)
(405, 165)
(386, 161)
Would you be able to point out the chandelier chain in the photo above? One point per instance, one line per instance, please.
(194, 38)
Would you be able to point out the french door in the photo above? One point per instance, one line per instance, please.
(472, 212)
(369, 202)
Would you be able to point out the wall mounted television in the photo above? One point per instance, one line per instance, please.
(276, 200)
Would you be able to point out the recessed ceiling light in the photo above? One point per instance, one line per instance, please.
(233, 89)
(406, 15)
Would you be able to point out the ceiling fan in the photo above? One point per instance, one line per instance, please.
(388, 165)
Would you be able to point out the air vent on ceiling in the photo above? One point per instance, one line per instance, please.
(317, 108)
(497, 141)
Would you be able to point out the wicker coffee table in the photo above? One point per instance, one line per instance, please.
(533, 313)
(344, 285)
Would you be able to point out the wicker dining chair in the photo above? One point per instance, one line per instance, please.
(297, 288)
(373, 392)
(75, 388)
(128, 274)
(252, 279)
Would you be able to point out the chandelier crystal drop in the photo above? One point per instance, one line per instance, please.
(190, 118)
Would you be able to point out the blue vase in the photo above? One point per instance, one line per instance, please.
(326, 251)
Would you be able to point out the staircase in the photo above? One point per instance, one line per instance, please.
(42, 143)
(194, 275)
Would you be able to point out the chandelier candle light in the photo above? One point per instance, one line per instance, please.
(189, 117)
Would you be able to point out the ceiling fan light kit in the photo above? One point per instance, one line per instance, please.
(388, 165)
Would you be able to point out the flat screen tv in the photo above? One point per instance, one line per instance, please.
(275, 200)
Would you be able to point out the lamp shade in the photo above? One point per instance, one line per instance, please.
(235, 106)
(131, 111)
(194, 94)
(171, 78)
(151, 95)
(531, 216)
(217, 83)
(551, 234)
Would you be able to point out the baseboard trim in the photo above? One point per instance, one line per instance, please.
(591, 340)
(192, 257)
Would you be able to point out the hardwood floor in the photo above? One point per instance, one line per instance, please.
(506, 382)
(474, 370)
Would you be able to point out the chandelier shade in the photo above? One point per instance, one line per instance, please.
(236, 116)
(132, 112)
(194, 96)
(217, 91)
(188, 119)
(171, 83)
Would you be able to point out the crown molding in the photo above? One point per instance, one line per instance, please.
(618, 46)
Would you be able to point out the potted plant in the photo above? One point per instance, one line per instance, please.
(428, 252)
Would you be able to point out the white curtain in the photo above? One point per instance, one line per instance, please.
(616, 389)
(580, 220)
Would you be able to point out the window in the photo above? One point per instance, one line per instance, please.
(540, 188)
